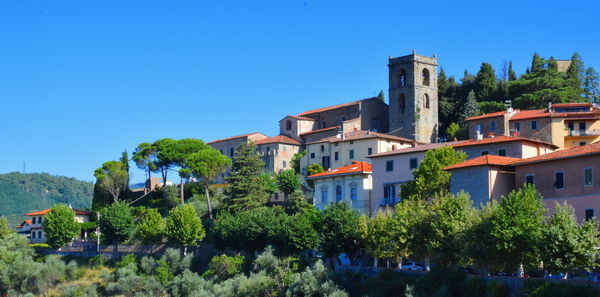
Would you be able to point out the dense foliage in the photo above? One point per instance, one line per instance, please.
(59, 226)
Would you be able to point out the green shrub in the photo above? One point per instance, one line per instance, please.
(72, 271)
(547, 289)
(223, 267)
(126, 260)
(164, 274)
(39, 246)
(97, 260)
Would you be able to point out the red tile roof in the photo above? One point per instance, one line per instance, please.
(572, 105)
(488, 115)
(583, 150)
(414, 149)
(358, 135)
(301, 118)
(335, 106)
(320, 130)
(277, 139)
(543, 113)
(484, 160)
(234, 137)
(45, 211)
(500, 139)
(355, 168)
(25, 222)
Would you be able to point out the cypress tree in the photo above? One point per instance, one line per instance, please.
(511, 72)
(381, 96)
(537, 63)
(552, 65)
(575, 72)
(471, 108)
(245, 189)
(485, 82)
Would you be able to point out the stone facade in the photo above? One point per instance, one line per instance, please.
(483, 183)
(228, 146)
(515, 149)
(413, 95)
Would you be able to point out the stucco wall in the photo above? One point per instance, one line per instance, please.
(362, 182)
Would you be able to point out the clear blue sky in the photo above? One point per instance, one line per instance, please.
(80, 81)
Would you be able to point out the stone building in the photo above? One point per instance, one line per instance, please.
(413, 97)
(227, 146)
(277, 152)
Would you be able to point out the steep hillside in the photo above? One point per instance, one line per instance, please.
(23, 193)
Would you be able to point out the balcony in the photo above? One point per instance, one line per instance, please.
(580, 133)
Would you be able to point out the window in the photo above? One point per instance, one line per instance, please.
(323, 125)
(221, 151)
(326, 161)
(389, 165)
(40, 219)
(533, 125)
(589, 214)
(559, 181)
(312, 155)
(336, 156)
(402, 77)
(338, 193)
(582, 143)
(336, 144)
(517, 126)
(268, 150)
(353, 193)
(502, 152)
(276, 196)
(351, 141)
(39, 234)
(582, 128)
(426, 77)
(33, 234)
(483, 153)
(479, 128)
(369, 151)
(284, 164)
(284, 148)
(324, 197)
(231, 152)
(322, 148)
(426, 102)
(588, 177)
(343, 118)
(389, 194)
(530, 179)
(375, 125)
(351, 152)
(571, 126)
(414, 163)
(402, 103)
(288, 125)
(493, 126)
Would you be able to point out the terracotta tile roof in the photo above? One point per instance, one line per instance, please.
(418, 148)
(484, 160)
(277, 139)
(355, 168)
(320, 130)
(577, 151)
(572, 105)
(500, 139)
(234, 137)
(543, 113)
(335, 106)
(359, 135)
(488, 115)
(25, 222)
(45, 211)
(530, 114)
(301, 118)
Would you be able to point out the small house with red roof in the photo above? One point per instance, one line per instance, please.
(506, 146)
(351, 183)
(24, 228)
(37, 234)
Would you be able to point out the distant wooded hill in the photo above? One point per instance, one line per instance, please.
(24, 193)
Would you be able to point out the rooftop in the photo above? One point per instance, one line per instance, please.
(335, 106)
(45, 211)
(321, 130)
(484, 160)
(500, 139)
(359, 135)
(414, 149)
(235, 137)
(356, 167)
(577, 151)
(489, 115)
(277, 139)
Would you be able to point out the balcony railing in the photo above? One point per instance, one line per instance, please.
(584, 132)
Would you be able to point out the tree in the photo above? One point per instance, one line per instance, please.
(339, 230)
(485, 82)
(313, 169)
(206, 165)
(566, 245)
(471, 108)
(297, 234)
(288, 181)
(178, 153)
(244, 191)
(4, 227)
(116, 222)
(480, 244)
(151, 226)
(517, 227)
(429, 178)
(575, 72)
(295, 162)
(591, 85)
(511, 72)
(378, 235)
(552, 64)
(491, 106)
(418, 221)
(381, 96)
(112, 178)
(184, 227)
(452, 131)
(537, 63)
(143, 157)
(60, 226)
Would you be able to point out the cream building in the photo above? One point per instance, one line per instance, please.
(37, 234)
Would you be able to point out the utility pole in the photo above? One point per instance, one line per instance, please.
(97, 232)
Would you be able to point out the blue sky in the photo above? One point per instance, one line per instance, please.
(80, 81)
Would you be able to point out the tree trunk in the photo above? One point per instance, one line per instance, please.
(520, 269)
(181, 191)
(185, 250)
(387, 263)
(400, 263)
(209, 206)
(374, 261)
(427, 268)
(149, 181)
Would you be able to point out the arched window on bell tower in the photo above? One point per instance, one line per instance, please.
(402, 77)
(426, 77)
(426, 101)
(402, 103)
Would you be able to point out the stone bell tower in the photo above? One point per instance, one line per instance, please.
(413, 95)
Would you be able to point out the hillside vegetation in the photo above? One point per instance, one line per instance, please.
(24, 193)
